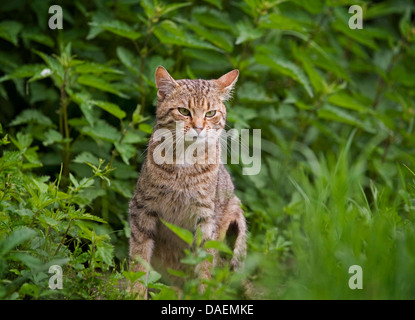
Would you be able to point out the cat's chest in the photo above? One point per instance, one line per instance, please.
(176, 195)
(182, 208)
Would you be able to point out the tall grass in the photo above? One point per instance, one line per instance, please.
(84, 98)
(340, 218)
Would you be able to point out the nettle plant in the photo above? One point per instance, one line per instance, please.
(222, 284)
(75, 124)
(42, 226)
(51, 226)
(51, 211)
(77, 106)
(46, 226)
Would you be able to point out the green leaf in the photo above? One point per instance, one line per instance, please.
(177, 273)
(79, 215)
(145, 128)
(127, 151)
(24, 140)
(247, 32)
(84, 101)
(97, 68)
(32, 157)
(24, 71)
(169, 32)
(408, 169)
(134, 137)
(218, 245)
(330, 112)
(128, 59)
(102, 130)
(148, 6)
(10, 158)
(110, 108)
(37, 36)
(29, 260)
(53, 63)
(216, 3)
(207, 57)
(15, 238)
(182, 233)
(317, 81)
(213, 18)
(99, 83)
(119, 28)
(42, 74)
(172, 7)
(52, 136)
(281, 22)
(9, 31)
(405, 22)
(153, 276)
(75, 183)
(385, 8)
(194, 259)
(133, 276)
(285, 67)
(86, 109)
(363, 36)
(29, 289)
(137, 116)
(86, 182)
(251, 91)
(218, 38)
(342, 99)
(31, 116)
(122, 187)
(86, 157)
(49, 221)
(106, 252)
(199, 237)
(313, 7)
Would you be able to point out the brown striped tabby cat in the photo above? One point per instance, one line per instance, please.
(191, 196)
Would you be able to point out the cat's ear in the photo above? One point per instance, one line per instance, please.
(227, 82)
(164, 82)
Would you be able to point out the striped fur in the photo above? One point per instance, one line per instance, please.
(190, 196)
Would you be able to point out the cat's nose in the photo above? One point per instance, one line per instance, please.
(198, 129)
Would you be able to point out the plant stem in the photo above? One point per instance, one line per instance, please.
(91, 259)
(143, 55)
(322, 20)
(381, 82)
(63, 123)
(63, 237)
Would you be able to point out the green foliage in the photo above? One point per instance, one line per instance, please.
(183, 234)
(336, 111)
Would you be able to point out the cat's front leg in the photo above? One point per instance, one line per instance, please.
(143, 225)
(208, 228)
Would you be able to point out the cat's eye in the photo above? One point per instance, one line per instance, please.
(210, 113)
(184, 111)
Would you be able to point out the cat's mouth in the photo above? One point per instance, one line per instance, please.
(199, 139)
(195, 141)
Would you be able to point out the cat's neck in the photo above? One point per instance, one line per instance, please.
(184, 155)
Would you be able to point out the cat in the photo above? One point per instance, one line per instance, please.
(196, 195)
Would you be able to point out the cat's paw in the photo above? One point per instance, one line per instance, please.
(138, 290)
(235, 264)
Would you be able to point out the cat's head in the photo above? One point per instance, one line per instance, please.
(198, 104)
